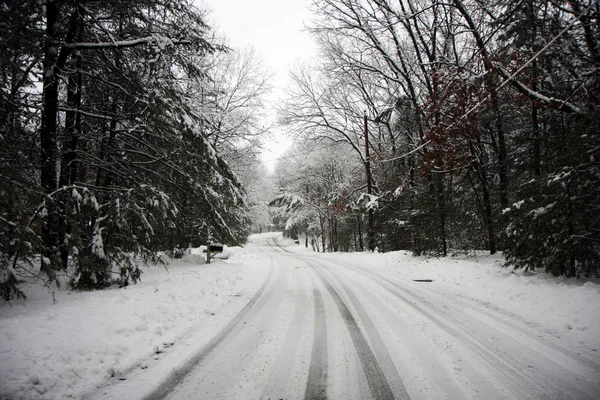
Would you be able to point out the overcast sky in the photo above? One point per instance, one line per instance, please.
(275, 29)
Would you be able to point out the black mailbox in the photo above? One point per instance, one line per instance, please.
(216, 248)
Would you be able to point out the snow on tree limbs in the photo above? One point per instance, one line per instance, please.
(482, 122)
(126, 170)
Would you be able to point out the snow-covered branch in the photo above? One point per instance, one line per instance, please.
(161, 41)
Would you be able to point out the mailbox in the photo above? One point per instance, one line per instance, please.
(216, 248)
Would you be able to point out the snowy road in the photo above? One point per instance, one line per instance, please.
(320, 328)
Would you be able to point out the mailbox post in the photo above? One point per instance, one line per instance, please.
(208, 252)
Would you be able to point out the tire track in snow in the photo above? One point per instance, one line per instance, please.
(288, 372)
(383, 356)
(378, 383)
(499, 317)
(509, 370)
(508, 364)
(167, 385)
(372, 358)
(316, 385)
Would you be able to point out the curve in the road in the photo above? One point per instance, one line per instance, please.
(371, 358)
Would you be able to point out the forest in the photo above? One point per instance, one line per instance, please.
(124, 126)
(130, 128)
(443, 127)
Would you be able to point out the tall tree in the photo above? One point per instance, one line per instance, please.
(126, 166)
(470, 103)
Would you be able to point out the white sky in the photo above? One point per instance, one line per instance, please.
(275, 29)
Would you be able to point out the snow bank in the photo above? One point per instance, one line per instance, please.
(562, 309)
(89, 339)
(62, 350)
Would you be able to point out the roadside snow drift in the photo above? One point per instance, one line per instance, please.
(63, 350)
(87, 341)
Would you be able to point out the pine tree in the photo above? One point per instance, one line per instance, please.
(127, 170)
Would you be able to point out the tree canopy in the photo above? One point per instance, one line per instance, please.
(482, 121)
(117, 120)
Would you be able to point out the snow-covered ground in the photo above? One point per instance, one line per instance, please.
(567, 309)
(88, 340)
(67, 348)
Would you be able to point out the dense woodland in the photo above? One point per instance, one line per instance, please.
(124, 128)
(483, 129)
(129, 128)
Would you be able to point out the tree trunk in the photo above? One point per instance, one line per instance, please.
(537, 141)
(487, 205)
(370, 233)
(360, 236)
(323, 234)
(54, 61)
(103, 178)
(48, 135)
(68, 171)
(441, 205)
(306, 230)
(502, 155)
(106, 179)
